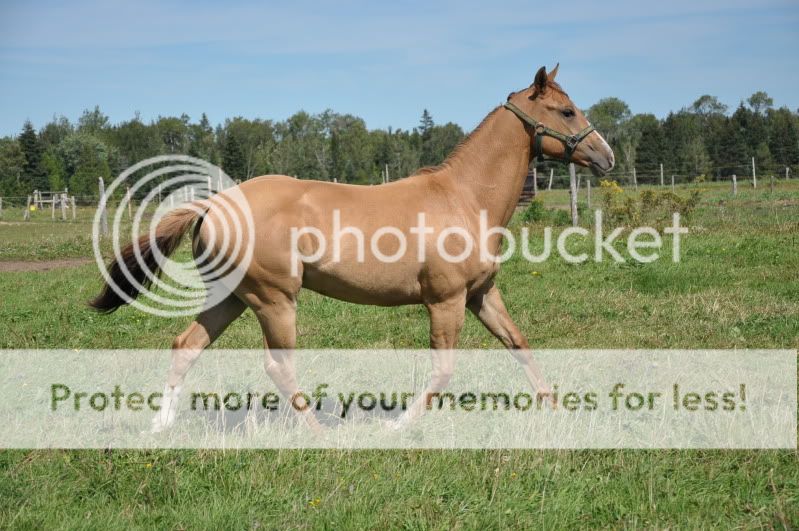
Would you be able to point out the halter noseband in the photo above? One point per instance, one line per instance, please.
(540, 131)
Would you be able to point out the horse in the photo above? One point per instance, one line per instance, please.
(484, 175)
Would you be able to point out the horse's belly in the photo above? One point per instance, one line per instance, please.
(382, 285)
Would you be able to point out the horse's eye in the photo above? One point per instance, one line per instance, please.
(568, 113)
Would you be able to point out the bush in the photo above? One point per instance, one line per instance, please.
(560, 217)
(535, 211)
(651, 207)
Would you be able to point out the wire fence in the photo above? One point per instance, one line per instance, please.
(548, 177)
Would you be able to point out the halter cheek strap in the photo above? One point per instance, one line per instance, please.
(570, 142)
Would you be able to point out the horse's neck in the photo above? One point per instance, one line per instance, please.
(492, 165)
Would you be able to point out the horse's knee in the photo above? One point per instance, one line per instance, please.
(523, 356)
(272, 368)
(518, 341)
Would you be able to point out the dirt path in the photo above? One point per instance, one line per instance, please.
(46, 265)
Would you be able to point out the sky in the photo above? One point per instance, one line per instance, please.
(383, 61)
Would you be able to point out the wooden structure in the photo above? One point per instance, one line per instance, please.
(529, 189)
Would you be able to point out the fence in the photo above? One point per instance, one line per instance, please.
(64, 207)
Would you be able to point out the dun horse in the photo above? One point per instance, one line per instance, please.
(485, 173)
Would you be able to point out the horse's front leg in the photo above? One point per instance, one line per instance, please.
(446, 321)
(488, 307)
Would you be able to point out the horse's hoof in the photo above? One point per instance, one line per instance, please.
(158, 425)
(395, 425)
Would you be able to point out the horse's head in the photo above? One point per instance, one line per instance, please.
(557, 127)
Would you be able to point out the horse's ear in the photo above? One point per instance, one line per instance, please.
(540, 82)
(553, 73)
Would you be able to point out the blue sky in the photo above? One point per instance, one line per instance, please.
(383, 61)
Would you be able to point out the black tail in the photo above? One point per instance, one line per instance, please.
(168, 234)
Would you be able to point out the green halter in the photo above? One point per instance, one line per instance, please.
(540, 131)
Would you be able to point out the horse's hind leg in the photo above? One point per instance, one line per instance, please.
(187, 347)
(278, 318)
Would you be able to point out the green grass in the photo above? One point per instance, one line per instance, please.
(737, 286)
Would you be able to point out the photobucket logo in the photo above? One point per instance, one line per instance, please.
(456, 244)
(170, 183)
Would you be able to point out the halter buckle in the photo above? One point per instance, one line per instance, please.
(572, 142)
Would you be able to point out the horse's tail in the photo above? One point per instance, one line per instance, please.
(168, 234)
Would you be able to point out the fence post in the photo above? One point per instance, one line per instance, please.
(573, 193)
(128, 198)
(26, 216)
(672, 184)
(74, 209)
(771, 183)
(535, 180)
(63, 207)
(551, 174)
(787, 170)
(754, 174)
(103, 211)
(219, 180)
(52, 207)
(734, 185)
(588, 192)
(661, 174)
(635, 179)
(387, 177)
(210, 188)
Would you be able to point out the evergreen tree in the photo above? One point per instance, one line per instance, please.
(651, 148)
(233, 159)
(765, 162)
(426, 122)
(91, 164)
(11, 162)
(201, 140)
(752, 127)
(686, 154)
(443, 140)
(426, 125)
(135, 141)
(34, 176)
(733, 150)
(784, 138)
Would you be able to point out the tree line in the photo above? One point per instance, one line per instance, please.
(702, 140)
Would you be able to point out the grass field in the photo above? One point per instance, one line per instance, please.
(737, 286)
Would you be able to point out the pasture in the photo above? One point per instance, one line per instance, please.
(737, 286)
